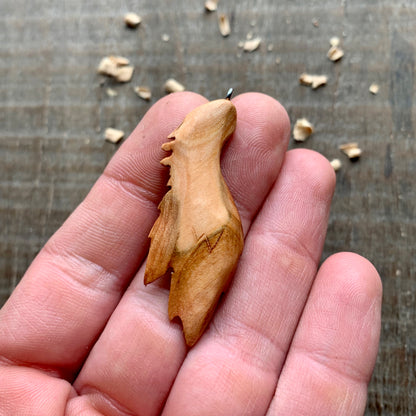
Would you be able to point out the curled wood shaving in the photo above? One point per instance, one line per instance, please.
(374, 88)
(171, 85)
(351, 150)
(336, 164)
(111, 93)
(313, 81)
(117, 67)
(125, 74)
(211, 5)
(302, 130)
(252, 44)
(224, 25)
(143, 92)
(335, 53)
(113, 135)
(132, 20)
(334, 41)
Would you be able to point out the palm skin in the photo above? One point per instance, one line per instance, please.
(82, 335)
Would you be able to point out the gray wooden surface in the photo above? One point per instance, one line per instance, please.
(54, 108)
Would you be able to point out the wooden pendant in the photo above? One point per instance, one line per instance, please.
(198, 234)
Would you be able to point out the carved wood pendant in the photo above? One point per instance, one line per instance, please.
(198, 234)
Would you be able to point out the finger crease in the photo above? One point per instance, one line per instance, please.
(334, 364)
(258, 350)
(89, 392)
(83, 271)
(134, 190)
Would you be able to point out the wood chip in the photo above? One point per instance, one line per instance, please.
(278, 60)
(171, 85)
(224, 25)
(125, 73)
(111, 93)
(302, 130)
(252, 44)
(351, 150)
(109, 65)
(315, 22)
(143, 92)
(132, 20)
(334, 41)
(313, 81)
(113, 135)
(335, 53)
(336, 164)
(117, 67)
(165, 37)
(211, 5)
(374, 88)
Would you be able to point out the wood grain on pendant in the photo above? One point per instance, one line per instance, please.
(198, 234)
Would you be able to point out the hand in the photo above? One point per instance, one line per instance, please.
(82, 335)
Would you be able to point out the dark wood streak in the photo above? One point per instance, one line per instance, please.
(402, 84)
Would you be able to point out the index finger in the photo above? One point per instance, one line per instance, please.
(70, 290)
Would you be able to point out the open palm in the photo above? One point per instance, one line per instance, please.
(82, 335)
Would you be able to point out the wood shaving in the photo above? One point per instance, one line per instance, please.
(113, 135)
(335, 53)
(211, 5)
(302, 130)
(110, 64)
(278, 60)
(270, 47)
(336, 164)
(111, 93)
(132, 20)
(125, 73)
(252, 44)
(165, 37)
(351, 150)
(171, 85)
(314, 81)
(374, 88)
(224, 25)
(117, 67)
(334, 41)
(143, 92)
(315, 22)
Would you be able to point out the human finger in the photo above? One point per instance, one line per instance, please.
(334, 349)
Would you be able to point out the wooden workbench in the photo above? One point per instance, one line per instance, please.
(54, 109)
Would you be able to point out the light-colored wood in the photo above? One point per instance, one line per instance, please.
(302, 130)
(313, 81)
(198, 233)
(171, 85)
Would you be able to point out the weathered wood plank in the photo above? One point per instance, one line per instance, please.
(54, 109)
